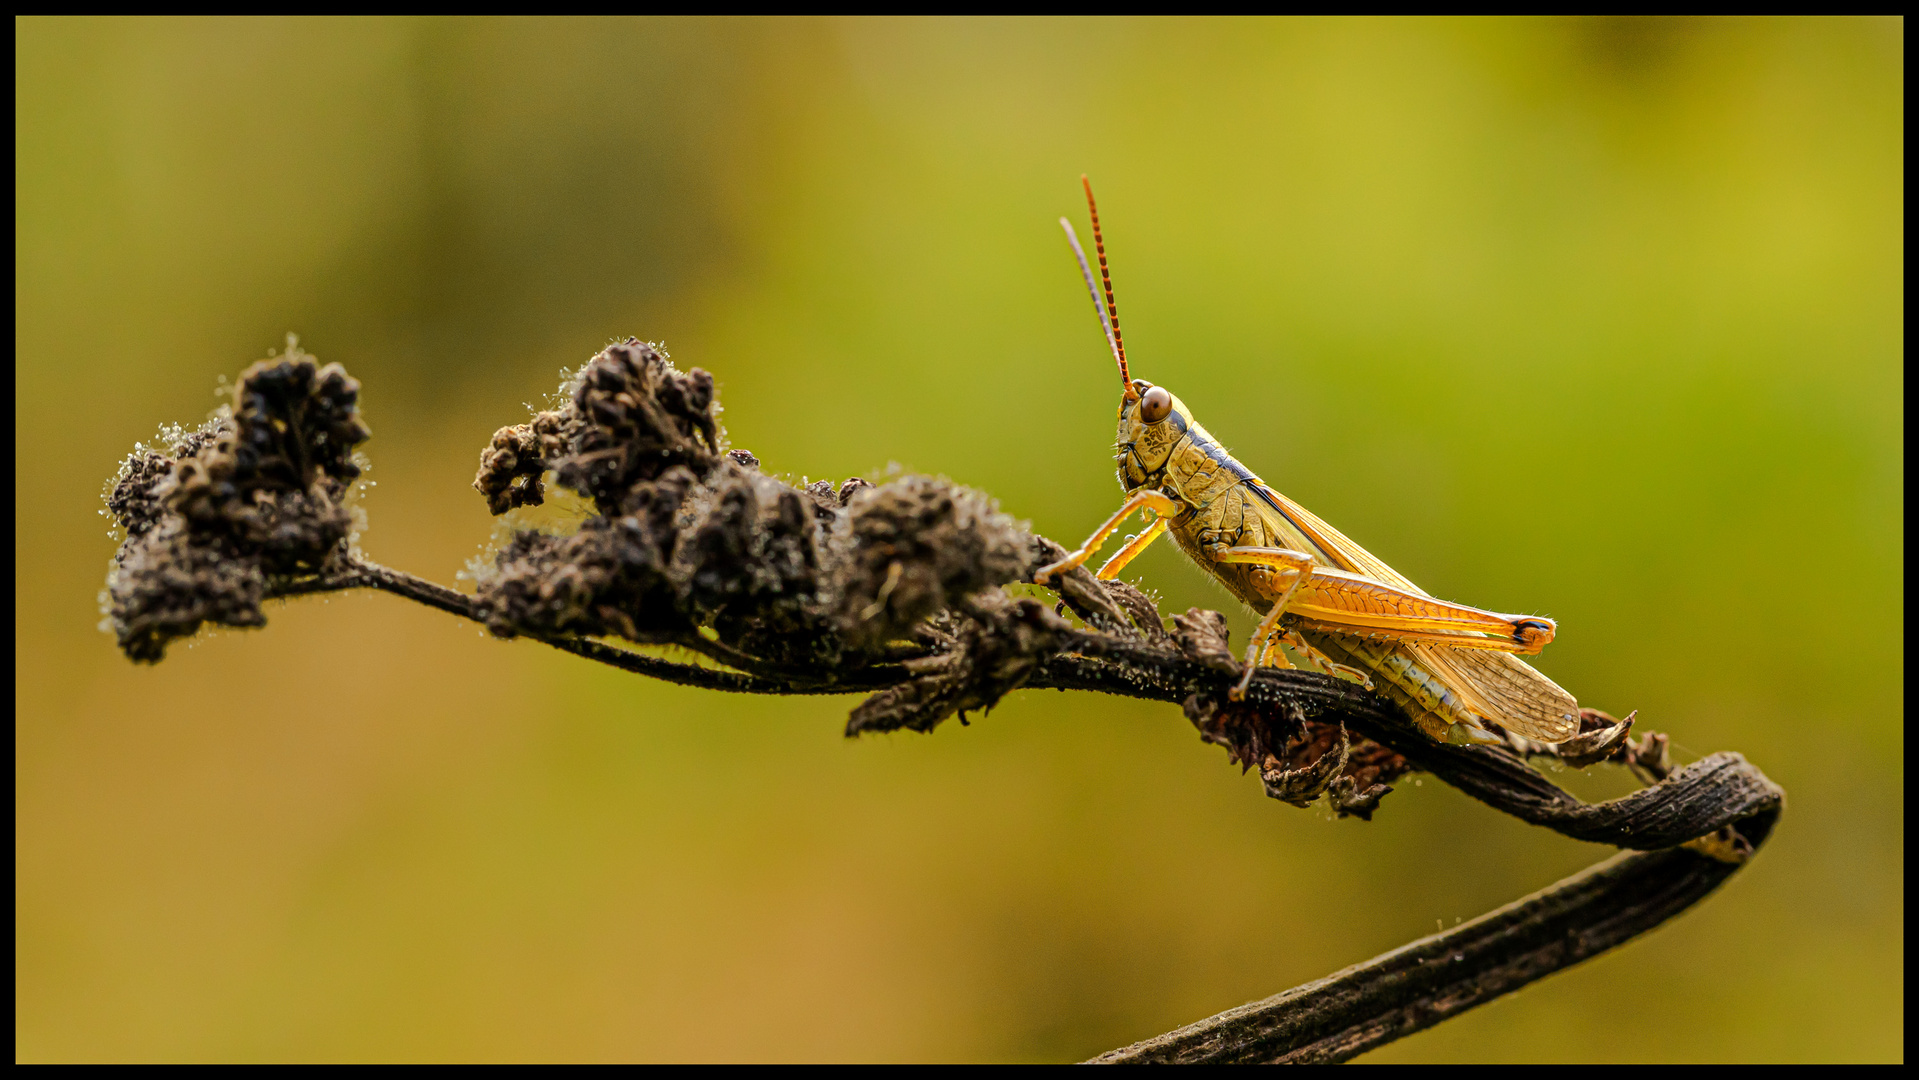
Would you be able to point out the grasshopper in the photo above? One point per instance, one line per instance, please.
(1454, 669)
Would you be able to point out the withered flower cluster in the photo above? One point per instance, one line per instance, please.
(238, 511)
(690, 542)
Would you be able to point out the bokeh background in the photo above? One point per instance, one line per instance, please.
(1600, 319)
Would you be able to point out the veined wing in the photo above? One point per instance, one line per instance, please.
(1497, 685)
(1346, 555)
(1505, 689)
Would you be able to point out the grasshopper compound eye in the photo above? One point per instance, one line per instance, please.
(1154, 406)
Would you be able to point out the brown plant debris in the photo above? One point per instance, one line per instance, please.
(233, 513)
(1201, 635)
(1080, 591)
(1299, 759)
(1140, 610)
(1600, 737)
(982, 658)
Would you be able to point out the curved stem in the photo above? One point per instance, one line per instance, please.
(1722, 800)
(1435, 978)
(757, 678)
(400, 583)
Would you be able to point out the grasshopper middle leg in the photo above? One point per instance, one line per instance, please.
(1300, 565)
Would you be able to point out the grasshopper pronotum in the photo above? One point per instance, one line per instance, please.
(1452, 667)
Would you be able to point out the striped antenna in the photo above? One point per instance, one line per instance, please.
(1106, 278)
(1092, 289)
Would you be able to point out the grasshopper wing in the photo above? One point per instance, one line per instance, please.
(1504, 689)
(1498, 686)
(1341, 551)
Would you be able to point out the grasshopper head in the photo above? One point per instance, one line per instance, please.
(1151, 421)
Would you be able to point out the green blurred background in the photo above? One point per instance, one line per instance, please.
(1600, 319)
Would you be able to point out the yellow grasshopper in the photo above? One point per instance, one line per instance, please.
(1452, 667)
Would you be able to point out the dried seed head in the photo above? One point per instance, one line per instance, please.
(511, 468)
(993, 651)
(165, 585)
(688, 535)
(234, 511)
(628, 416)
(1299, 758)
(918, 545)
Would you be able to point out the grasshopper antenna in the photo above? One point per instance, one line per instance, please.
(1105, 277)
(1092, 287)
(1109, 324)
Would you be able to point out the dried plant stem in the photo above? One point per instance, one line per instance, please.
(1410, 988)
(362, 574)
(1420, 984)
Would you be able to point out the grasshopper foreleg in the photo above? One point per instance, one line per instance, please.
(1165, 506)
(1133, 547)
